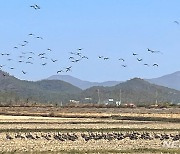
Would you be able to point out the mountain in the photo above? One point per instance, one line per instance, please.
(80, 83)
(136, 91)
(170, 80)
(40, 91)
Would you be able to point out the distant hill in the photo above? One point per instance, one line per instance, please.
(80, 83)
(40, 91)
(136, 91)
(170, 80)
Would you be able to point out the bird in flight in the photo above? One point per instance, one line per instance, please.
(79, 49)
(68, 68)
(71, 57)
(176, 22)
(78, 54)
(31, 34)
(32, 53)
(15, 47)
(28, 62)
(49, 49)
(41, 54)
(30, 57)
(60, 71)
(26, 42)
(106, 58)
(155, 64)
(146, 64)
(38, 37)
(24, 72)
(54, 60)
(85, 57)
(35, 6)
(121, 59)
(139, 59)
(44, 57)
(12, 68)
(153, 51)
(135, 54)
(124, 65)
(44, 64)
(100, 57)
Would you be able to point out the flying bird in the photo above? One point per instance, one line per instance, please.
(135, 54)
(35, 6)
(54, 60)
(44, 64)
(31, 34)
(30, 57)
(100, 57)
(38, 37)
(26, 42)
(71, 57)
(153, 51)
(176, 22)
(28, 62)
(146, 64)
(139, 59)
(32, 6)
(32, 53)
(79, 49)
(49, 49)
(44, 58)
(78, 53)
(41, 54)
(121, 59)
(24, 72)
(106, 58)
(155, 64)
(85, 57)
(12, 68)
(60, 71)
(124, 65)
(68, 68)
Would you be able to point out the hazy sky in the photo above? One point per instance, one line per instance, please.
(109, 28)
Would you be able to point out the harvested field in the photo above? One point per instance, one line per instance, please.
(89, 134)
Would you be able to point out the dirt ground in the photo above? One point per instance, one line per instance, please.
(11, 126)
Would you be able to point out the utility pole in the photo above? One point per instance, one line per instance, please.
(156, 96)
(98, 97)
(120, 97)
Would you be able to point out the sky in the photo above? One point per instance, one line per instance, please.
(109, 28)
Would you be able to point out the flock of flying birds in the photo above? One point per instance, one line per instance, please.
(74, 57)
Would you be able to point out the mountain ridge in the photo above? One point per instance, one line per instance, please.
(81, 83)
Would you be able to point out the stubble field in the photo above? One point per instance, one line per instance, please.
(89, 130)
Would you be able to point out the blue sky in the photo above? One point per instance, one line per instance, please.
(109, 28)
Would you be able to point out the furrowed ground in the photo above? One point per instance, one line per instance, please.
(89, 130)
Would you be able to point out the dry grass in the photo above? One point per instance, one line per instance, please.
(88, 120)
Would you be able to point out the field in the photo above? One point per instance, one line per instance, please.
(89, 130)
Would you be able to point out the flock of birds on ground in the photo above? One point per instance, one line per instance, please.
(95, 136)
(74, 57)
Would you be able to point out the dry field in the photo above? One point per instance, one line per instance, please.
(89, 130)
